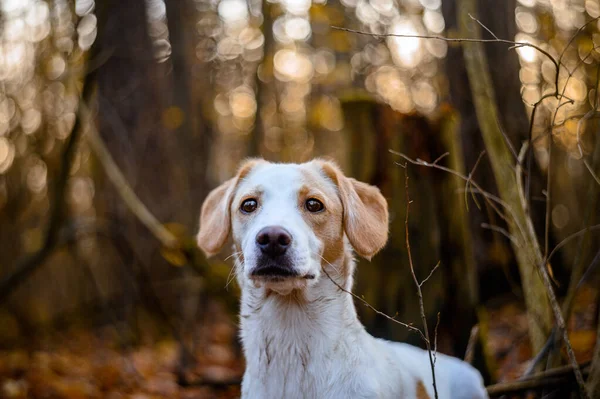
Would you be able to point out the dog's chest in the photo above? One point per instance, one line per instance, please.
(292, 352)
(293, 370)
(311, 361)
(285, 370)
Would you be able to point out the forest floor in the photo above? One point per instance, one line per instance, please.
(86, 363)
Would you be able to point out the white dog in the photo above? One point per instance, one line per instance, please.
(292, 225)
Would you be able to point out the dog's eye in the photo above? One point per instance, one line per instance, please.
(314, 205)
(249, 205)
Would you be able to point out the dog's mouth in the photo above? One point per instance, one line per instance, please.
(275, 272)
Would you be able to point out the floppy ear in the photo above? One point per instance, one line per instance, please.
(365, 212)
(215, 217)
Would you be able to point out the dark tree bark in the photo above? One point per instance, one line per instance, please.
(194, 133)
(487, 245)
(131, 105)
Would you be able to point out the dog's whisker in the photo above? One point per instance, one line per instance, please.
(231, 274)
(329, 263)
(236, 254)
(230, 277)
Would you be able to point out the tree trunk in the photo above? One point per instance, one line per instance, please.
(131, 119)
(528, 253)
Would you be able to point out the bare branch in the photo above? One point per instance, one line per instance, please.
(135, 205)
(430, 274)
(570, 237)
(28, 264)
(468, 182)
(452, 40)
(473, 337)
(502, 231)
(419, 292)
(491, 199)
(553, 377)
(367, 304)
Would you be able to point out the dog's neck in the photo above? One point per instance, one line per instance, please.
(283, 334)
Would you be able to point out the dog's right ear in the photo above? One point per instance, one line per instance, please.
(215, 217)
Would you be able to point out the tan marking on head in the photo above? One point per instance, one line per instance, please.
(215, 217)
(421, 391)
(328, 224)
(365, 211)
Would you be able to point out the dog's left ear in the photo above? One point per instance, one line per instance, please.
(366, 215)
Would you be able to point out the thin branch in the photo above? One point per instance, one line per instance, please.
(367, 304)
(548, 201)
(543, 274)
(491, 199)
(135, 205)
(29, 263)
(560, 322)
(468, 182)
(566, 240)
(430, 274)
(451, 40)
(551, 342)
(419, 292)
(581, 28)
(519, 178)
(502, 231)
(553, 377)
(435, 336)
(470, 351)
(587, 116)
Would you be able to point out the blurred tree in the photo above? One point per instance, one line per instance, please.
(133, 118)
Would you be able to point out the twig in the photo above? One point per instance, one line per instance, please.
(473, 337)
(560, 322)
(587, 116)
(28, 264)
(570, 237)
(574, 36)
(543, 274)
(430, 274)
(127, 194)
(451, 40)
(502, 231)
(540, 356)
(593, 383)
(550, 343)
(470, 177)
(548, 202)
(419, 292)
(435, 336)
(379, 312)
(519, 177)
(558, 375)
(491, 199)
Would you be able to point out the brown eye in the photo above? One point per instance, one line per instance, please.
(249, 205)
(314, 205)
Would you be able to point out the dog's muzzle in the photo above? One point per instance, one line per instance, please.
(273, 261)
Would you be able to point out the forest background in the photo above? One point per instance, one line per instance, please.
(118, 117)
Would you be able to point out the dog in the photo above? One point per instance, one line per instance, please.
(294, 228)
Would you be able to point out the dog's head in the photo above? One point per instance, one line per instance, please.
(287, 220)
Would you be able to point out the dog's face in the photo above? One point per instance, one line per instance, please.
(288, 220)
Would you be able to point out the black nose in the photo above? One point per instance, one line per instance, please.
(273, 240)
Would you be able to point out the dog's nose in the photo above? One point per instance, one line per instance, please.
(273, 240)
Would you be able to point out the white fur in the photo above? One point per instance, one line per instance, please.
(302, 338)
